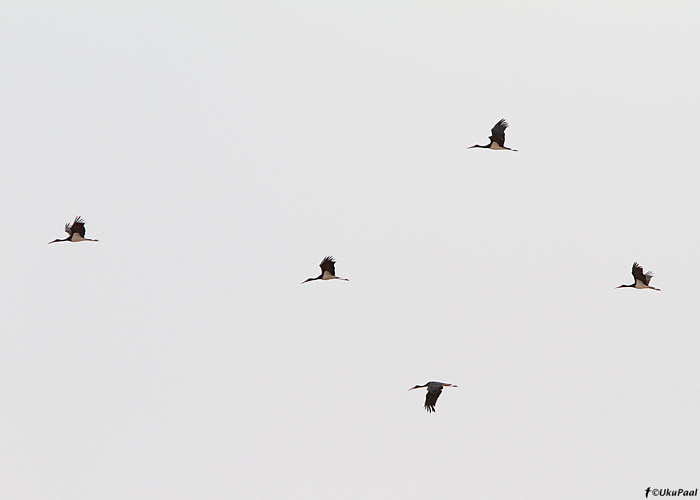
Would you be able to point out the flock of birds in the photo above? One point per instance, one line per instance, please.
(76, 233)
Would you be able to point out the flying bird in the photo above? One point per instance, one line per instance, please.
(76, 231)
(641, 279)
(498, 137)
(434, 391)
(327, 271)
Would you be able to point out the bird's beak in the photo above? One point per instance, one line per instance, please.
(471, 147)
(416, 387)
(619, 287)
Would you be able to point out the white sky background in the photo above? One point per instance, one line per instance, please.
(219, 151)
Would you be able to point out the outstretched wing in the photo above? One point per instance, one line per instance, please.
(431, 398)
(78, 226)
(328, 264)
(640, 275)
(498, 132)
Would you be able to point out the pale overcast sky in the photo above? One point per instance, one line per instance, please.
(219, 150)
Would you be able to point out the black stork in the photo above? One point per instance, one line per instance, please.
(498, 137)
(327, 271)
(434, 391)
(641, 279)
(76, 231)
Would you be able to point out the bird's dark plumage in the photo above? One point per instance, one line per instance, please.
(328, 264)
(76, 231)
(498, 132)
(497, 138)
(431, 398)
(78, 227)
(641, 279)
(434, 391)
(640, 275)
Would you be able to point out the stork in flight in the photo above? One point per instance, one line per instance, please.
(498, 137)
(327, 271)
(641, 279)
(76, 231)
(434, 391)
